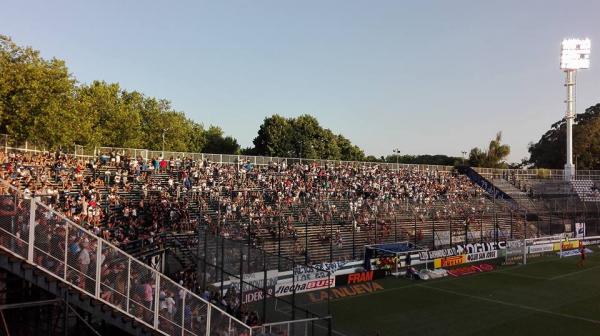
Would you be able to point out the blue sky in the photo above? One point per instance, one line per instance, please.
(423, 76)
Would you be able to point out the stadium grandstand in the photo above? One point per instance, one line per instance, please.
(201, 218)
(153, 194)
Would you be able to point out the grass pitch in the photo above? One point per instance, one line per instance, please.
(548, 296)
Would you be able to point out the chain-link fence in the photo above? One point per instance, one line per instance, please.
(261, 285)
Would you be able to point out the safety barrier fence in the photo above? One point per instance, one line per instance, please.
(303, 327)
(82, 152)
(35, 233)
(536, 173)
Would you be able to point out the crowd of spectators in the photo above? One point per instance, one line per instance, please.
(124, 199)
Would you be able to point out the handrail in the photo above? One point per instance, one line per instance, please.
(40, 236)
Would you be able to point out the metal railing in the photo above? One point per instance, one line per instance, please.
(257, 160)
(303, 327)
(536, 173)
(35, 233)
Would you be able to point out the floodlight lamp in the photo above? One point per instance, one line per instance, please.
(575, 54)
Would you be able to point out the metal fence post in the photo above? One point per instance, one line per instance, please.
(156, 298)
(128, 284)
(98, 266)
(208, 317)
(183, 314)
(32, 207)
(65, 265)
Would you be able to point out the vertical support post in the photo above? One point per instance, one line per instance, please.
(241, 294)
(525, 251)
(128, 289)
(279, 243)
(183, 314)
(433, 232)
(208, 317)
(570, 116)
(450, 216)
(395, 227)
(206, 260)
(31, 241)
(415, 230)
(156, 298)
(98, 266)
(511, 224)
(222, 262)
(294, 291)
(353, 238)
(65, 265)
(481, 227)
(264, 300)
(306, 249)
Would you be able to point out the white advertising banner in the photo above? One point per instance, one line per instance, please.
(288, 287)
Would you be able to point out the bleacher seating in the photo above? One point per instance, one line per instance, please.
(586, 190)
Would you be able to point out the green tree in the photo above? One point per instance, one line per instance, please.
(550, 150)
(348, 151)
(274, 137)
(116, 117)
(302, 137)
(494, 157)
(36, 97)
(219, 144)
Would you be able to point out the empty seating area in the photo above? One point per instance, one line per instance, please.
(586, 190)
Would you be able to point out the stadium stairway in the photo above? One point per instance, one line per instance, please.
(62, 291)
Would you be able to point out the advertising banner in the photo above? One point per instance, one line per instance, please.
(288, 287)
(566, 245)
(466, 249)
(473, 257)
(449, 261)
(317, 271)
(572, 253)
(579, 230)
(354, 278)
(253, 285)
(541, 248)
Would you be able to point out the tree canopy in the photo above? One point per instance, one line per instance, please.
(302, 137)
(42, 103)
(550, 150)
(493, 157)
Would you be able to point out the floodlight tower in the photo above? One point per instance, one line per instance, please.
(575, 55)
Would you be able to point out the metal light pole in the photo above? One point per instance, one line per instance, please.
(397, 152)
(163, 141)
(570, 116)
(575, 55)
(464, 153)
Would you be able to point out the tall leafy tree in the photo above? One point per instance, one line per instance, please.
(115, 114)
(302, 137)
(274, 137)
(36, 97)
(494, 157)
(550, 150)
(217, 143)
